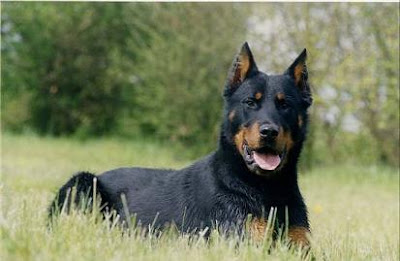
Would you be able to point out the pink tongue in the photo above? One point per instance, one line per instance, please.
(267, 161)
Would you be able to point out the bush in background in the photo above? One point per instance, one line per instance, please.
(156, 70)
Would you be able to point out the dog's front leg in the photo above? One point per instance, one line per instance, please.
(299, 236)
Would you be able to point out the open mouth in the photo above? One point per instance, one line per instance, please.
(265, 158)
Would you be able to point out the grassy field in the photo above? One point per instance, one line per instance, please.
(354, 210)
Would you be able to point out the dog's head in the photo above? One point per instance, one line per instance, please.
(266, 114)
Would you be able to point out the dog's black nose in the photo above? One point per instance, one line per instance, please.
(269, 131)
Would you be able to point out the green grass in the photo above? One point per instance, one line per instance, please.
(354, 210)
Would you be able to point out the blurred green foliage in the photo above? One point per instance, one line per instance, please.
(156, 70)
(354, 66)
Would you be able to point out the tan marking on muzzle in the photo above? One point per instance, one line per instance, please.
(252, 135)
(249, 134)
(284, 140)
(239, 139)
(258, 95)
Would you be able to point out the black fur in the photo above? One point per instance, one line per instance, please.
(80, 189)
(222, 188)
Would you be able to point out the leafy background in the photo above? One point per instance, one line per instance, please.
(156, 71)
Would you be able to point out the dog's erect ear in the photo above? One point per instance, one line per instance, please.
(242, 67)
(298, 71)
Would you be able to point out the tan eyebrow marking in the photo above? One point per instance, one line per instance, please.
(280, 96)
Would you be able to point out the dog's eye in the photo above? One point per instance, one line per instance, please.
(250, 102)
(282, 104)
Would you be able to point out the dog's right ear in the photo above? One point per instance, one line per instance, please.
(299, 73)
(242, 67)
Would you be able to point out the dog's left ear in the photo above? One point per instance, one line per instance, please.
(298, 71)
(243, 66)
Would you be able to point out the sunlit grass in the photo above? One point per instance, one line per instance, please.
(354, 210)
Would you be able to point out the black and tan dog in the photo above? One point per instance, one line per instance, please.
(253, 169)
